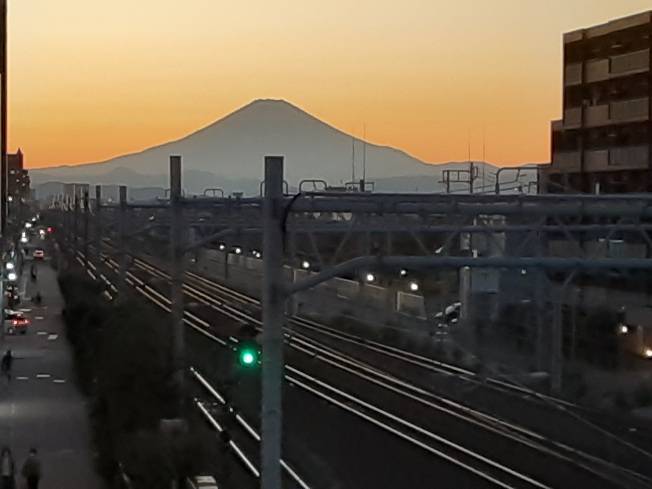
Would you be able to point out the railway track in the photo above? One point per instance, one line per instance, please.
(422, 401)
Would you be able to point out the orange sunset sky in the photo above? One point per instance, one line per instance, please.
(94, 79)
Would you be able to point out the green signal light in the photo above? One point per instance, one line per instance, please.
(248, 357)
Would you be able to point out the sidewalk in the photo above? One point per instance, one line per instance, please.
(42, 407)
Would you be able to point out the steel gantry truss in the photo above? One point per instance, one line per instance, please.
(421, 232)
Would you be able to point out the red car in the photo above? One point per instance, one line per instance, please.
(38, 254)
(15, 322)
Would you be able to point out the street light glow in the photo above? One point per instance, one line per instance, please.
(28, 225)
(222, 246)
(10, 265)
(370, 277)
(414, 287)
(623, 329)
(238, 250)
(23, 239)
(403, 272)
(12, 276)
(305, 264)
(648, 353)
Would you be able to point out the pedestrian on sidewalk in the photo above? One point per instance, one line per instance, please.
(31, 470)
(7, 469)
(5, 365)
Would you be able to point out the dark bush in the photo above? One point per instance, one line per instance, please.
(122, 360)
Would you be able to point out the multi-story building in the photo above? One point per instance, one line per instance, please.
(603, 142)
(18, 184)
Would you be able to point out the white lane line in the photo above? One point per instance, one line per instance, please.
(42, 333)
(59, 381)
(52, 337)
(39, 318)
(22, 378)
(43, 376)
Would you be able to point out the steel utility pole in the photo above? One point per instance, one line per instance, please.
(3, 118)
(273, 315)
(87, 210)
(123, 236)
(176, 255)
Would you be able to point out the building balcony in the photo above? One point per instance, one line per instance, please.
(629, 157)
(630, 63)
(573, 74)
(596, 160)
(597, 70)
(630, 110)
(621, 112)
(566, 161)
(612, 159)
(573, 118)
(596, 115)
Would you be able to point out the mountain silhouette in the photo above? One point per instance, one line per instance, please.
(235, 146)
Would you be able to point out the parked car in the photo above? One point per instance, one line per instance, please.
(15, 322)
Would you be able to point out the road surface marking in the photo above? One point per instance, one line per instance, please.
(25, 310)
(53, 337)
(59, 381)
(39, 317)
(43, 376)
(22, 378)
(41, 333)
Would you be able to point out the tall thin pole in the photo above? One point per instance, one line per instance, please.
(364, 152)
(87, 211)
(177, 254)
(98, 223)
(273, 312)
(352, 158)
(3, 117)
(123, 236)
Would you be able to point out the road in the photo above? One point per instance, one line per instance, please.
(41, 407)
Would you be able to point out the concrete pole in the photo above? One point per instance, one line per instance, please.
(176, 255)
(87, 210)
(273, 307)
(98, 223)
(123, 236)
(75, 224)
(557, 354)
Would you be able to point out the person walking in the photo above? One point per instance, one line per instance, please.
(7, 469)
(31, 470)
(5, 365)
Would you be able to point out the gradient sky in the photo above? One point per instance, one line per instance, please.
(94, 79)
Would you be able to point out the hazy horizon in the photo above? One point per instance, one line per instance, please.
(90, 82)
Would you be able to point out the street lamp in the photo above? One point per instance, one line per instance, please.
(305, 264)
(403, 272)
(222, 247)
(238, 250)
(370, 277)
(10, 265)
(12, 276)
(414, 287)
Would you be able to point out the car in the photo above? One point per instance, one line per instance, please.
(15, 322)
(38, 254)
